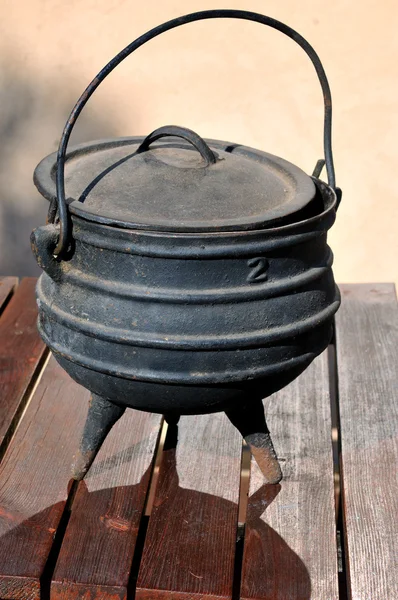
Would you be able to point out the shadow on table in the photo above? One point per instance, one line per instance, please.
(193, 530)
(270, 566)
(189, 543)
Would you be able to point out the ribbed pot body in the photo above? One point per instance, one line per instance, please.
(191, 323)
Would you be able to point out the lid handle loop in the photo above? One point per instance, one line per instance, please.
(184, 133)
(60, 203)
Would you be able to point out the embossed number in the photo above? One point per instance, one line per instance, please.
(259, 267)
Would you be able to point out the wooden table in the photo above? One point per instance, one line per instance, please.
(166, 521)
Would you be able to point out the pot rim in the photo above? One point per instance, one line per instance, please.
(45, 180)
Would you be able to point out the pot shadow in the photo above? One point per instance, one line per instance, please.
(188, 544)
(271, 567)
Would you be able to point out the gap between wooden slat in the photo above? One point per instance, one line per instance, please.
(146, 513)
(344, 590)
(244, 484)
(48, 571)
(4, 299)
(242, 513)
(24, 403)
(334, 416)
(155, 470)
(21, 354)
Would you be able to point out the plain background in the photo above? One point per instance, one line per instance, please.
(225, 79)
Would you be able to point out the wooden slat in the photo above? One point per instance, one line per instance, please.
(190, 544)
(99, 544)
(7, 287)
(290, 540)
(21, 350)
(367, 341)
(34, 478)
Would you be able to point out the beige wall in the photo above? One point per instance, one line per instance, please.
(225, 79)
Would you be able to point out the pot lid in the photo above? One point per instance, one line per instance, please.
(179, 184)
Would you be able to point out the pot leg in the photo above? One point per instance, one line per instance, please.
(102, 415)
(250, 421)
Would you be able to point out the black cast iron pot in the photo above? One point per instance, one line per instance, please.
(183, 275)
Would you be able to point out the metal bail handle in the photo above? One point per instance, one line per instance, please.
(184, 133)
(60, 202)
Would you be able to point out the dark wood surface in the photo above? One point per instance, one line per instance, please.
(98, 548)
(7, 287)
(367, 360)
(21, 351)
(86, 543)
(34, 477)
(190, 545)
(290, 540)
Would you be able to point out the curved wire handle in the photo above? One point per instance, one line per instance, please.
(63, 240)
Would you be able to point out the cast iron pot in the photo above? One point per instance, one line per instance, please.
(182, 275)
